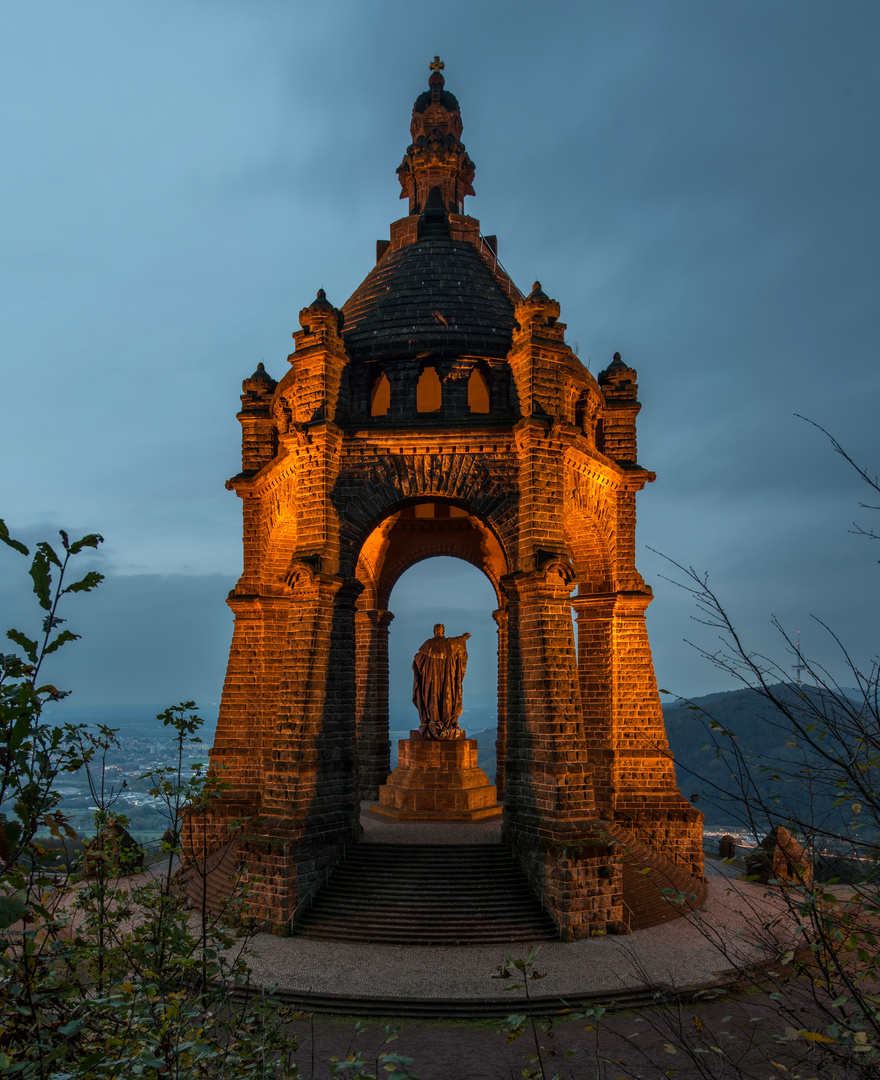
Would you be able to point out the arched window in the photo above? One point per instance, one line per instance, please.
(580, 413)
(478, 392)
(380, 396)
(428, 393)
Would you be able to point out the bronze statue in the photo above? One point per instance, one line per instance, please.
(438, 671)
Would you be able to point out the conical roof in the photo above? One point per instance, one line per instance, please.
(434, 296)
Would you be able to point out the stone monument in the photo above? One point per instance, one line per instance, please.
(437, 777)
(440, 411)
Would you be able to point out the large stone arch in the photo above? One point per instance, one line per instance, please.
(410, 533)
(368, 491)
(589, 551)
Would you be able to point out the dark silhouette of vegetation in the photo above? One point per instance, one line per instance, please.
(113, 975)
(105, 968)
(804, 756)
(808, 760)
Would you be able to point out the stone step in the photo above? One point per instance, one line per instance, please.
(410, 935)
(439, 915)
(427, 895)
(645, 902)
(464, 853)
(449, 886)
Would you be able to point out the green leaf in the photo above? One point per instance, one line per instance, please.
(93, 1059)
(9, 541)
(92, 541)
(91, 581)
(25, 643)
(21, 729)
(64, 636)
(49, 552)
(11, 910)
(42, 576)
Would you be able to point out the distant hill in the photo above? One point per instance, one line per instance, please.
(765, 737)
(774, 767)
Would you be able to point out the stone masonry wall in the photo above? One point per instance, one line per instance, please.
(548, 484)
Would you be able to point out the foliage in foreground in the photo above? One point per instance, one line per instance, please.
(813, 935)
(108, 974)
(807, 963)
(112, 976)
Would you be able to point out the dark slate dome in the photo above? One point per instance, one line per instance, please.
(434, 296)
(447, 100)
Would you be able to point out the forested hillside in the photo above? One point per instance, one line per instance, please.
(729, 744)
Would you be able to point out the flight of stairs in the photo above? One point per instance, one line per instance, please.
(645, 902)
(427, 894)
(432, 894)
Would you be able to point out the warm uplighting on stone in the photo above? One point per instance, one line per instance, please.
(441, 412)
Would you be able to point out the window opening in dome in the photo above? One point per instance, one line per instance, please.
(478, 392)
(428, 392)
(380, 397)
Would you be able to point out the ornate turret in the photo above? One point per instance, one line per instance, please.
(258, 441)
(436, 158)
(538, 315)
(257, 386)
(620, 389)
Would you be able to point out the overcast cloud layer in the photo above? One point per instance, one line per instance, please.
(695, 183)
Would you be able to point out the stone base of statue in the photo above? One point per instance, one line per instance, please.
(437, 780)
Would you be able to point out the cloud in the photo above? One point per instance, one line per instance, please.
(145, 639)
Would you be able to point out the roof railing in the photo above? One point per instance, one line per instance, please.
(489, 254)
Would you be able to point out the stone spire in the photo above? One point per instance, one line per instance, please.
(436, 158)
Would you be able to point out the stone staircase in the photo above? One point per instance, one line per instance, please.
(450, 894)
(646, 873)
(427, 894)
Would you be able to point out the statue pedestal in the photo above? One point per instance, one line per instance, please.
(437, 780)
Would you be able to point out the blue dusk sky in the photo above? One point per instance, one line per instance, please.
(696, 183)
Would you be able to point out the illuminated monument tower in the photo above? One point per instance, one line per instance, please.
(440, 412)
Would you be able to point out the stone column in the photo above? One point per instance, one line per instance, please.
(549, 813)
(249, 696)
(595, 615)
(310, 799)
(453, 381)
(548, 784)
(371, 660)
(500, 617)
(403, 380)
(626, 739)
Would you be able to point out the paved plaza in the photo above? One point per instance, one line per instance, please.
(682, 954)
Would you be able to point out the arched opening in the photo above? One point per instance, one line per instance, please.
(478, 392)
(428, 391)
(450, 591)
(437, 538)
(380, 396)
(581, 413)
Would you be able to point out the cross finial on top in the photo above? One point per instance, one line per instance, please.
(436, 64)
